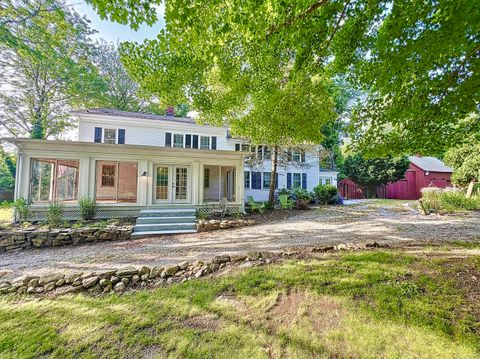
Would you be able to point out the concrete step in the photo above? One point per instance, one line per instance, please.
(168, 212)
(155, 220)
(164, 227)
(153, 233)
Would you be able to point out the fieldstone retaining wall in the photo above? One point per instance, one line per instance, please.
(120, 280)
(214, 224)
(37, 238)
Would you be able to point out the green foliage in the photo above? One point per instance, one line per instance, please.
(45, 56)
(465, 161)
(88, 208)
(325, 194)
(448, 200)
(372, 172)
(55, 214)
(22, 208)
(7, 171)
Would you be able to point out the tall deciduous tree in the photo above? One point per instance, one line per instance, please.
(465, 161)
(45, 59)
(373, 172)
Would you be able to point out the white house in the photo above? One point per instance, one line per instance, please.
(129, 162)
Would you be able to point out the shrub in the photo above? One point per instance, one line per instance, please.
(447, 200)
(22, 208)
(88, 209)
(55, 214)
(326, 194)
(301, 197)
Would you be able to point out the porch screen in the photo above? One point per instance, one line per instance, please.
(54, 180)
(116, 182)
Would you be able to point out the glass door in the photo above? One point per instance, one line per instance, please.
(163, 184)
(181, 185)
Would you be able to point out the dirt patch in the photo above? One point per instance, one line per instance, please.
(204, 323)
(298, 307)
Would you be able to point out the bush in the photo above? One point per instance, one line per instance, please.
(301, 197)
(447, 200)
(88, 209)
(326, 194)
(55, 214)
(22, 208)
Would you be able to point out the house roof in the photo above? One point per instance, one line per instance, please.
(127, 114)
(431, 164)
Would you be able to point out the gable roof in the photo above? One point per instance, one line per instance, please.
(127, 114)
(431, 164)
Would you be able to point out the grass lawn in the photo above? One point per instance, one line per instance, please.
(356, 305)
(6, 215)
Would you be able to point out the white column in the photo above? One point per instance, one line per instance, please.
(196, 182)
(240, 190)
(143, 182)
(84, 179)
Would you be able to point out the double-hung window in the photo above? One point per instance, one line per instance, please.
(297, 180)
(109, 135)
(204, 142)
(247, 179)
(267, 176)
(296, 156)
(178, 140)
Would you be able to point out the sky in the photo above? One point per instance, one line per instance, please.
(113, 32)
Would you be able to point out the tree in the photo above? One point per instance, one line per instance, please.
(7, 171)
(373, 172)
(465, 161)
(47, 69)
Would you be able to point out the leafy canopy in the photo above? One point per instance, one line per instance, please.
(372, 172)
(417, 63)
(465, 161)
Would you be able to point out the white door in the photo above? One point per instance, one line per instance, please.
(172, 184)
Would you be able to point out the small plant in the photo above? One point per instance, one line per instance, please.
(22, 208)
(88, 209)
(326, 194)
(55, 214)
(303, 198)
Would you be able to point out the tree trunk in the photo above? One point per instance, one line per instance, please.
(273, 175)
(470, 188)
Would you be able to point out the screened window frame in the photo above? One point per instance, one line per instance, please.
(115, 163)
(110, 140)
(203, 146)
(174, 142)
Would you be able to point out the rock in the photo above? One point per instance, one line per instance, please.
(214, 266)
(33, 282)
(77, 282)
(49, 286)
(24, 280)
(183, 265)
(221, 259)
(105, 282)
(341, 247)
(155, 272)
(107, 288)
(31, 290)
(126, 272)
(240, 258)
(171, 270)
(22, 289)
(145, 276)
(114, 279)
(60, 282)
(70, 289)
(199, 273)
(119, 287)
(5, 287)
(39, 290)
(50, 278)
(143, 270)
(87, 275)
(89, 282)
(69, 279)
(372, 245)
(125, 281)
(135, 279)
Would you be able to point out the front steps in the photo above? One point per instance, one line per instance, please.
(165, 221)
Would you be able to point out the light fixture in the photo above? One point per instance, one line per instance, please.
(144, 174)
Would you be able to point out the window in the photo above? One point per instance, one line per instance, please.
(266, 180)
(109, 135)
(116, 182)
(178, 140)
(245, 148)
(267, 154)
(328, 181)
(256, 180)
(297, 180)
(206, 177)
(54, 180)
(296, 155)
(247, 179)
(108, 175)
(204, 142)
(260, 152)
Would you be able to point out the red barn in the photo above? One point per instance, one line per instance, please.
(422, 172)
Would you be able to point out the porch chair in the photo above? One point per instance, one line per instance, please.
(221, 209)
(260, 207)
(285, 202)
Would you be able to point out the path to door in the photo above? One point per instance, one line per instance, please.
(357, 223)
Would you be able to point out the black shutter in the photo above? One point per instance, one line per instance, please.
(304, 180)
(276, 180)
(214, 142)
(289, 180)
(302, 158)
(188, 141)
(237, 147)
(121, 136)
(195, 141)
(98, 135)
(168, 139)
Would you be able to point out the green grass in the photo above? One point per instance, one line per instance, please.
(6, 215)
(362, 305)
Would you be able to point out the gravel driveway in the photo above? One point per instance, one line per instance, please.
(357, 223)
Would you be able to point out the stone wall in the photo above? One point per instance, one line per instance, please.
(214, 224)
(37, 238)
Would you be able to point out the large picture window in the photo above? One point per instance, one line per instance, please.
(54, 180)
(116, 182)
